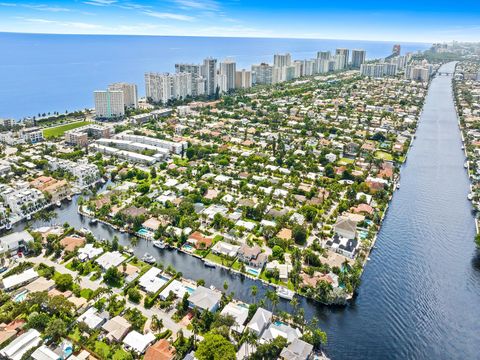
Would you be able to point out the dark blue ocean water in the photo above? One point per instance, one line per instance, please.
(46, 73)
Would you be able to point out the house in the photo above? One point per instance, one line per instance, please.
(346, 227)
(176, 287)
(205, 299)
(239, 312)
(161, 350)
(110, 259)
(252, 256)
(116, 328)
(13, 242)
(226, 249)
(342, 245)
(92, 318)
(297, 350)
(69, 243)
(283, 269)
(280, 329)
(20, 345)
(152, 280)
(152, 224)
(199, 241)
(88, 252)
(138, 342)
(7, 331)
(17, 280)
(45, 353)
(260, 320)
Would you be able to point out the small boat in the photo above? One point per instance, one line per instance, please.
(93, 221)
(285, 293)
(368, 259)
(463, 147)
(149, 259)
(85, 231)
(69, 198)
(470, 196)
(465, 165)
(128, 250)
(29, 217)
(8, 226)
(58, 203)
(103, 181)
(209, 264)
(159, 244)
(398, 186)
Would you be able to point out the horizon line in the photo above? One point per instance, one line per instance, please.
(220, 36)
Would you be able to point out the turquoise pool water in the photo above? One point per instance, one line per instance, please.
(21, 296)
(188, 247)
(189, 289)
(143, 231)
(253, 272)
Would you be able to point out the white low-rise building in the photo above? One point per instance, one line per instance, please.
(19, 346)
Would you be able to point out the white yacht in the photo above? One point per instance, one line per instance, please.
(159, 244)
(285, 293)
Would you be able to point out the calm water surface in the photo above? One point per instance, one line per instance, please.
(420, 292)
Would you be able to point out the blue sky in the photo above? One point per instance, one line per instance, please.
(415, 21)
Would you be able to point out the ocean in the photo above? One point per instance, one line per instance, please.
(43, 73)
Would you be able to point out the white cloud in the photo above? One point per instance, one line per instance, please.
(43, 7)
(169, 16)
(199, 4)
(100, 2)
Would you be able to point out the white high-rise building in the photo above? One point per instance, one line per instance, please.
(130, 93)
(322, 65)
(243, 79)
(198, 82)
(228, 69)
(109, 104)
(418, 72)
(339, 60)
(209, 72)
(262, 74)
(298, 64)
(309, 67)
(164, 87)
(358, 57)
(378, 70)
(343, 55)
(280, 60)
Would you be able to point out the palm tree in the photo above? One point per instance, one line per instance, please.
(254, 291)
(78, 279)
(157, 323)
(274, 299)
(250, 340)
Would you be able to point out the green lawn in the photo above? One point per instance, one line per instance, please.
(86, 293)
(383, 155)
(218, 259)
(346, 161)
(102, 349)
(237, 265)
(58, 131)
(121, 354)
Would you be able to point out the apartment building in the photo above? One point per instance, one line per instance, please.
(109, 104)
(130, 93)
(80, 136)
(85, 174)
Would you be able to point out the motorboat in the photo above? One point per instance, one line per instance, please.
(69, 198)
(398, 186)
(58, 203)
(470, 196)
(93, 221)
(285, 293)
(159, 244)
(149, 259)
(209, 264)
(128, 250)
(465, 165)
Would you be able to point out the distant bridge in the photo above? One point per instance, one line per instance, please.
(443, 73)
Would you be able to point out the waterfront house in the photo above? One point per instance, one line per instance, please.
(283, 269)
(110, 259)
(345, 227)
(175, 287)
(252, 256)
(226, 249)
(45, 353)
(88, 252)
(205, 299)
(199, 241)
(152, 280)
(297, 350)
(70, 243)
(260, 320)
(280, 329)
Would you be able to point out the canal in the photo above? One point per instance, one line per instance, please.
(421, 288)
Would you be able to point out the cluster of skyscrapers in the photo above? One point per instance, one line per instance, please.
(112, 102)
(211, 78)
(389, 66)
